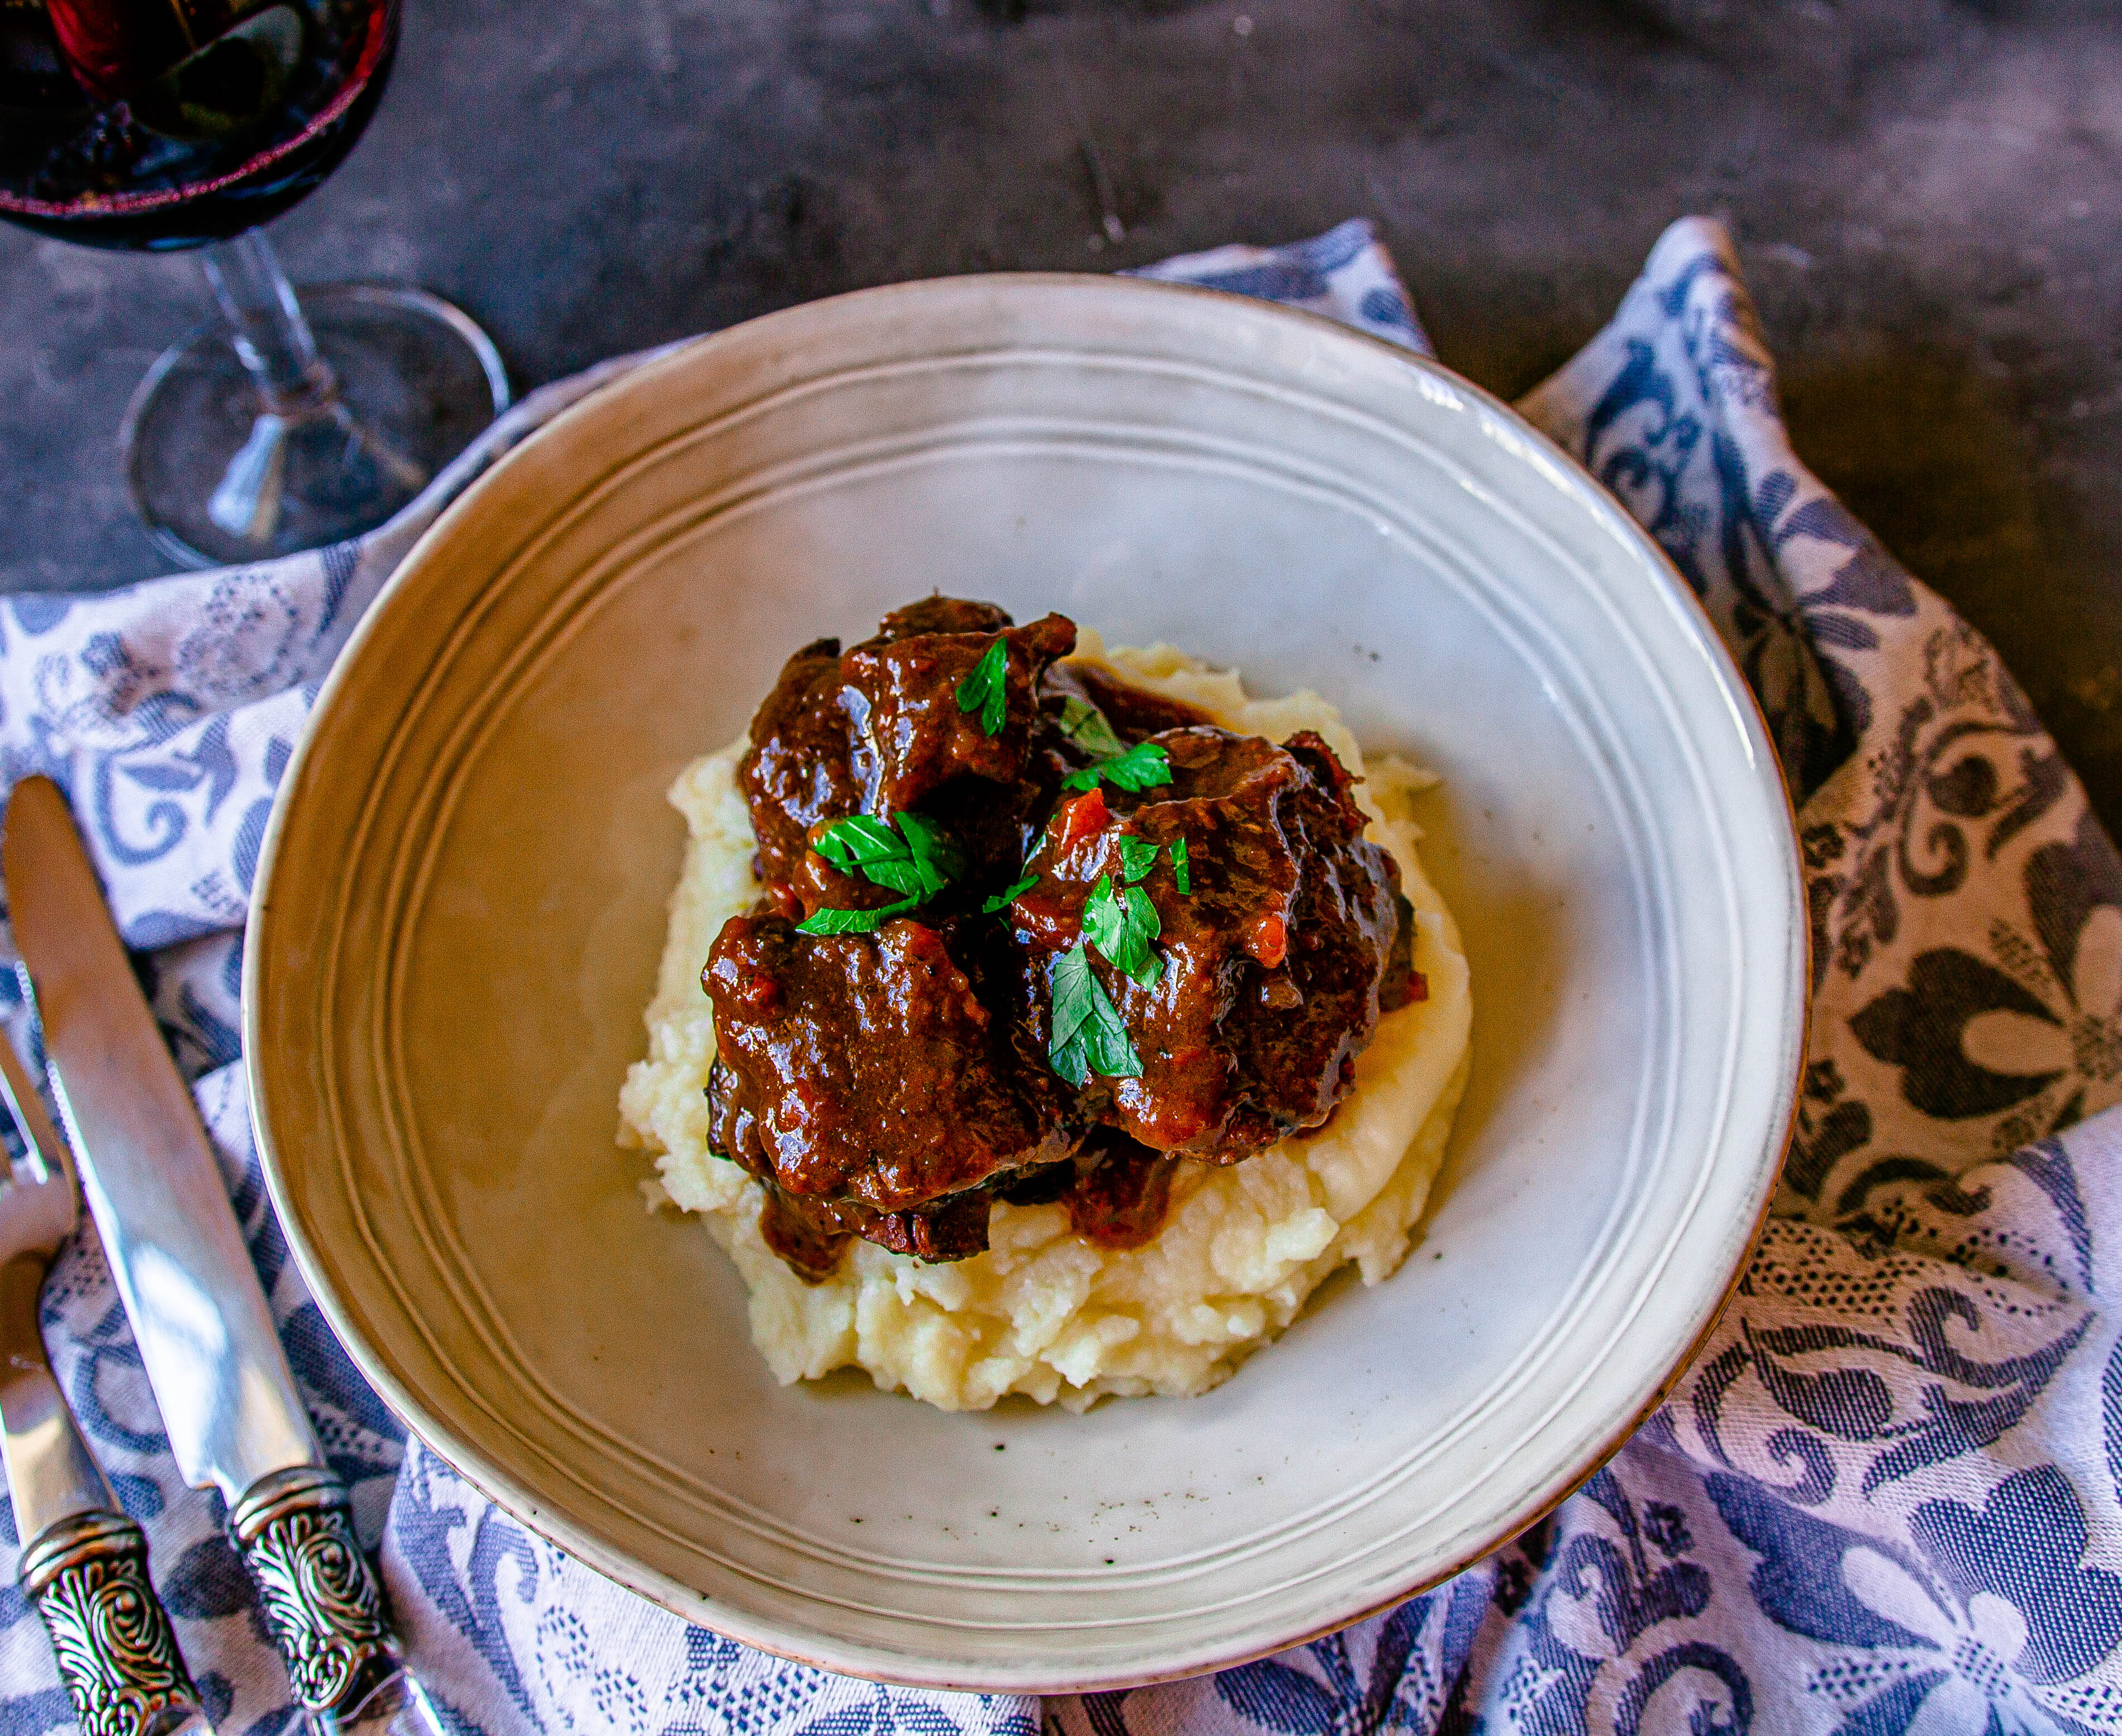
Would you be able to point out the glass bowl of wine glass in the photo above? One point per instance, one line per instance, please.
(160, 125)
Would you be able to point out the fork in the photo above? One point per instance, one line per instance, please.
(84, 1564)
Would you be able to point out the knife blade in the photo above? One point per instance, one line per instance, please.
(235, 1419)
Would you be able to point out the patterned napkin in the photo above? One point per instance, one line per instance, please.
(1885, 1498)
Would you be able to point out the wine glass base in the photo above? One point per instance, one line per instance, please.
(218, 482)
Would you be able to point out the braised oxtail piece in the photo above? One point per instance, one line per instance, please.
(1029, 933)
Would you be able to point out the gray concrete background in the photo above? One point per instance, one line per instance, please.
(1925, 192)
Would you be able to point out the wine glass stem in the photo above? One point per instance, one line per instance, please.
(265, 323)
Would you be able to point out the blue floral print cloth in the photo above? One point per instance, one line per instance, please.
(1884, 1499)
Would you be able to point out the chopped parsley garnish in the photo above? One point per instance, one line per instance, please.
(1088, 1037)
(1182, 872)
(1085, 725)
(936, 858)
(916, 862)
(1141, 767)
(853, 922)
(1112, 759)
(1121, 925)
(1003, 899)
(1138, 856)
(985, 690)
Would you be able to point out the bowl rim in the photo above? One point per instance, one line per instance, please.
(868, 1660)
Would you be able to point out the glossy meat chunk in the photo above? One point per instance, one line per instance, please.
(796, 773)
(864, 1067)
(1273, 966)
(879, 729)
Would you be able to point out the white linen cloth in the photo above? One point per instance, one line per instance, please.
(1883, 1499)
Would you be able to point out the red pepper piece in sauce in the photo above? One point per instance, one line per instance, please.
(1268, 942)
(1088, 817)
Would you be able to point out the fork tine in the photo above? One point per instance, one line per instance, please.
(46, 1153)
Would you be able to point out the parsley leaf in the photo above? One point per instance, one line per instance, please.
(1138, 856)
(1128, 768)
(1121, 925)
(1003, 899)
(848, 844)
(936, 858)
(1182, 872)
(1085, 725)
(1140, 767)
(853, 922)
(1088, 1037)
(985, 690)
(916, 862)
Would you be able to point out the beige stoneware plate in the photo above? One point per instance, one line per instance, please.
(462, 899)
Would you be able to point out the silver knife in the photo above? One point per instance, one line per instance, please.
(206, 1338)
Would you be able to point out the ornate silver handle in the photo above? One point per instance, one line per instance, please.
(84, 1564)
(87, 1576)
(295, 1532)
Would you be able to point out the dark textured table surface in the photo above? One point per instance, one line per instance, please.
(1925, 192)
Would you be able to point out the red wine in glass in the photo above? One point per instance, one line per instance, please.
(189, 124)
(161, 124)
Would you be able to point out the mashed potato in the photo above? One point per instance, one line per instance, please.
(1044, 1311)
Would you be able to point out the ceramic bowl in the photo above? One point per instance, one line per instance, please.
(462, 901)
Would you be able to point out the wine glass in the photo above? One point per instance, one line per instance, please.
(164, 124)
